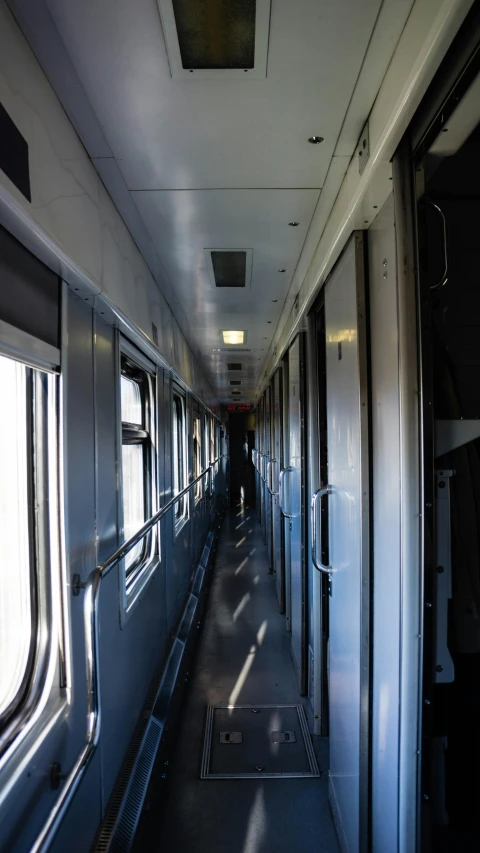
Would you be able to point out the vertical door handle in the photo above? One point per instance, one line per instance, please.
(264, 467)
(316, 498)
(269, 479)
(280, 486)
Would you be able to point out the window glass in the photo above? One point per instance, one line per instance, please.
(197, 456)
(133, 497)
(135, 393)
(131, 402)
(212, 440)
(15, 530)
(178, 436)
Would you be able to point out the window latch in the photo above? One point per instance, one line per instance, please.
(77, 584)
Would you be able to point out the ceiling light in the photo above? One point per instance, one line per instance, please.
(315, 140)
(233, 337)
(294, 224)
(274, 300)
(283, 270)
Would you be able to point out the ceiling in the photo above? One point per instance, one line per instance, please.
(218, 163)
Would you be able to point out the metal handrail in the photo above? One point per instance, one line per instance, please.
(92, 590)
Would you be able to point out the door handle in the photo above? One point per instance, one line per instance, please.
(317, 496)
(280, 487)
(264, 468)
(269, 474)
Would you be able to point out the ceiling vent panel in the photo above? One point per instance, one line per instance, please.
(234, 366)
(216, 38)
(229, 267)
(235, 381)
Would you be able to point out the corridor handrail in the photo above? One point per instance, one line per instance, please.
(92, 589)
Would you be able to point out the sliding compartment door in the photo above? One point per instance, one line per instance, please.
(294, 504)
(348, 542)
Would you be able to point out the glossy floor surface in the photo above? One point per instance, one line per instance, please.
(243, 658)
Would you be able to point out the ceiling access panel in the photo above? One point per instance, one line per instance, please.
(216, 39)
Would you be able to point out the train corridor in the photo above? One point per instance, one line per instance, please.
(243, 659)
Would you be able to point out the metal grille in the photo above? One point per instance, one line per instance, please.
(132, 806)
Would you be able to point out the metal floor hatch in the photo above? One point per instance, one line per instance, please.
(252, 741)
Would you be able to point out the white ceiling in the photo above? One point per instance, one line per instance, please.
(222, 163)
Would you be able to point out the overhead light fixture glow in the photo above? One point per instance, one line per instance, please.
(233, 337)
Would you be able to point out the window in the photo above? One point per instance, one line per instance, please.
(212, 440)
(17, 586)
(179, 457)
(206, 433)
(137, 456)
(197, 457)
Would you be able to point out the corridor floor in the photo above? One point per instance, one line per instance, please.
(243, 658)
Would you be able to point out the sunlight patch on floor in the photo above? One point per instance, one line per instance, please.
(242, 677)
(257, 824)
(240, 567)
(246, 598)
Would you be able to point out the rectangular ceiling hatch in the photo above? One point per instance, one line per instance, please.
(216, 33)
(235, 381)
(229, 268)
(234, 366)
(216, 38)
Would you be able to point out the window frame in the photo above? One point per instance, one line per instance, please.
(197, 458)
(48, 668)
(206, 451)
(180, 513)
(31, 451)
(135, 366)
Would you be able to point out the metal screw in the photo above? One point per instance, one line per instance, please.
(439, 668)
(385, 262)
(428, 604)
(427, 701)
(441, 484)
(440, 570)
